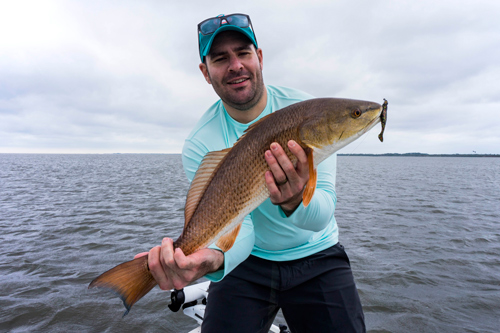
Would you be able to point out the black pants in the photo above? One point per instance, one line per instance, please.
(316, 294)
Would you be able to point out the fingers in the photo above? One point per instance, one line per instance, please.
(281, 166)
(283, 169)
(274, 158)
(142, 254)
(172, 269)
(163, 266)
(156, 268)
(274, 191)
(302, 167)
(167, 253)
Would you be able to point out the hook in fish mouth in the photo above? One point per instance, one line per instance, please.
(383, 120)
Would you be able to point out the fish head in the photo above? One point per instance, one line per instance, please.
(333, 123)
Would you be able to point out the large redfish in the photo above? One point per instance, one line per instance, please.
(230, 183)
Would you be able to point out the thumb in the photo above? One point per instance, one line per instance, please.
(181, 260)
(142, 254)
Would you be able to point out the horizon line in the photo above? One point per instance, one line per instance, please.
(338, 154)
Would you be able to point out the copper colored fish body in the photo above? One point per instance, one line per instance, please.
(229, 184)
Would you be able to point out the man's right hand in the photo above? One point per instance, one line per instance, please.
(173, 270)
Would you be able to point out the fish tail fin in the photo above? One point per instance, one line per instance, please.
(130, 281)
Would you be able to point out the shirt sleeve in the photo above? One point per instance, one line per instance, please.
(192, 155)
(318, 214)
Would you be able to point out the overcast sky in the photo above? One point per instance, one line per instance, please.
(122, 76)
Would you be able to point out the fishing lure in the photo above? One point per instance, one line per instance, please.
(383, 120)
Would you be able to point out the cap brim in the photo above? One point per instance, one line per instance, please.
(223, 28)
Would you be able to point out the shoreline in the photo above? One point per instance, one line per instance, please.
(423, 155)
(340, 154)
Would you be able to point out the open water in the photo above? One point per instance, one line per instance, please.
(423, 235)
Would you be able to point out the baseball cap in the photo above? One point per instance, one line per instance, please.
(209, 28)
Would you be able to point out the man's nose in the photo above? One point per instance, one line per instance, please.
(235, 64)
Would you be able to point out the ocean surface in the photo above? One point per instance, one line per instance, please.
(423, 235)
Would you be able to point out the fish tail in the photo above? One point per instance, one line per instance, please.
(130, 280)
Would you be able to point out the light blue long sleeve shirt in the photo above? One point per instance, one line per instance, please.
(267, 232)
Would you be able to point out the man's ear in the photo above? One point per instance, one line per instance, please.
(204, 71)
(261, 58)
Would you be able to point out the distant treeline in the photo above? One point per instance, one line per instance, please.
(425, 155)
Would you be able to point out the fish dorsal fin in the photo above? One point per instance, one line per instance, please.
(226, 242)
(311, 184)
(201, 180)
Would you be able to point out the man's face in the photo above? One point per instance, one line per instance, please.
(234, 68)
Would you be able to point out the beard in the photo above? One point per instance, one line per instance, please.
(242, 99)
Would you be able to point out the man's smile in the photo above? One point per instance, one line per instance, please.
(237, 81)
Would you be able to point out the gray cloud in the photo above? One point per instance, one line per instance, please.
(123, 77)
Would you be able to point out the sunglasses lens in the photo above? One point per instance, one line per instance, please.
(209, 26)
(238, 20)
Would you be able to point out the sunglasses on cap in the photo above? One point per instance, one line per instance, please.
(209, 26)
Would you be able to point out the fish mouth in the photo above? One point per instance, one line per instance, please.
(382, 118)
(374, 121)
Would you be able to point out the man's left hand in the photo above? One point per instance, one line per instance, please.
(285, 182)
(172, 269)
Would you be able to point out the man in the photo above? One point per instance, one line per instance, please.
(285, 256)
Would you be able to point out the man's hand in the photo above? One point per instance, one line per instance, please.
(285, 182)
(173, 270)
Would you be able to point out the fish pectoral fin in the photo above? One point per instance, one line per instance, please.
(227, 241)
(311, 184)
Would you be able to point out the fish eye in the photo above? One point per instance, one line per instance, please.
(356, 113)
